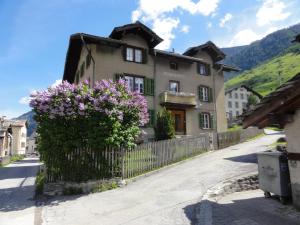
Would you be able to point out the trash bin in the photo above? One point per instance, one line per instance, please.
(273, 174)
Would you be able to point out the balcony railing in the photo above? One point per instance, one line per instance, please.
(178, 98)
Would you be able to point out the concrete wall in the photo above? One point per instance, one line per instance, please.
(293, 146)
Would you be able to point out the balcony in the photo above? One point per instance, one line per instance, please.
(181, 99)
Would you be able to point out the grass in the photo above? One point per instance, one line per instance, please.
(13, 159)
(235, 128)
(39, 183)
(105, 187)
(264, 78)
(256, 137)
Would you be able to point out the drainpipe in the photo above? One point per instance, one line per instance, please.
(93, 60)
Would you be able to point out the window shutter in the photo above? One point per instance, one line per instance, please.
(149, 86)
(212, 121)
(208, 70)
(151, 113)
(124, 52)
(198, 68)
(200, 93)
(210, 94)
(145, 56)
(118, 76)
(201, 122)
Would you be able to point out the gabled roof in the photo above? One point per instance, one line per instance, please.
(137, 28)
(177, 56)
(74, 50)
(226, 68)
(243, 86)
(210, 48)
(274, 109)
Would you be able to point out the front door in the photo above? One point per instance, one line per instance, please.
(179, 117)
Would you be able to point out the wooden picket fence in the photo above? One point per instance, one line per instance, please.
(153, 155)
(85, 164)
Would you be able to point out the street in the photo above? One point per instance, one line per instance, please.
(167, 197)
(17, 206)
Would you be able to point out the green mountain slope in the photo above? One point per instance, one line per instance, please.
(265, 78)
(258, 52)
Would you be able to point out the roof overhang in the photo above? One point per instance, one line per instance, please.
(176, 56)
(276, 108)
(210, 48)
(137, 28)
(74, 51)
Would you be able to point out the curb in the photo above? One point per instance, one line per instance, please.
(204, 213)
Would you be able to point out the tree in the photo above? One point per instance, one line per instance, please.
(164, 128)
(252, 101)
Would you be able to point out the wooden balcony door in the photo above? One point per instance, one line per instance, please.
(179, 117)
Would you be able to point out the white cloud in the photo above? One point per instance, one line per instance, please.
(158, 14)
(209, 25)
(57, 82)
(225, 19)
(24, 100)
(247, 36)
(270, 11)
(185, 29)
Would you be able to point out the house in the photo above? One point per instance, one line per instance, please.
(31, 144)
(190, 85)
(5, 139)
(237, 100)
(282, 109)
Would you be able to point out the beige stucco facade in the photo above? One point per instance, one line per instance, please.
(109, 61)
(293, 146)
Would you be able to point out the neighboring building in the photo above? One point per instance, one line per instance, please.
(237, 100)
(19, 134)
(191, 84)
(5, 139)
(282, 108)
(31, 144)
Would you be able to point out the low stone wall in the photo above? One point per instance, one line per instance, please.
(250, 133)
(69, 188)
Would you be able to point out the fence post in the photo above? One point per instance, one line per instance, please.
(122, 163)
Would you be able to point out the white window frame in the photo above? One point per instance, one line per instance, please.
(204, 94)
(135, 83)
(138, 55)
(203, 69)
(129, 54)
(206, 121)
(177, 86)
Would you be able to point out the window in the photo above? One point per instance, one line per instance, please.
(174, 86)
(205, 94)
(237, 113)
(244, 105)
(229, 104)
(230, 95)
(138, 55)
(204, 69)
(230, 114)
(151, 114)
(129, 54)
(135, 83)
(134, 55)
(236, 95)
(174, 65)
(206, 120)
(236, 104)
(242, 96)
(22, 144)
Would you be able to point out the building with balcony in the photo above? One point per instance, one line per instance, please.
(190, 85)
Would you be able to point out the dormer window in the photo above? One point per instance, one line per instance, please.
(134, 55)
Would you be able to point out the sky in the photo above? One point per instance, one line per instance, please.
(35, 33)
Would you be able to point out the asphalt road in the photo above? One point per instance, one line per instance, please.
(169, 197)
(17, 206)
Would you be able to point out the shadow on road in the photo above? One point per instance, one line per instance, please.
(17, 185)
(250, 158)
(256, 210)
